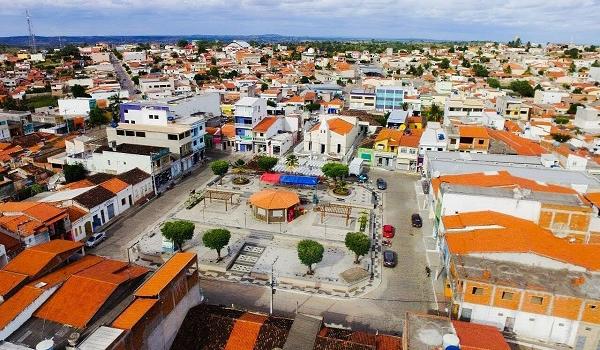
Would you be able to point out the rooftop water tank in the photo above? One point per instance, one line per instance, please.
(47, 344)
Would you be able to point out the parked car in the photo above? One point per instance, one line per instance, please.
(95, 239)
(362, 178)
(381, 184)
(390, 258)
(416, 220)
(388, 231)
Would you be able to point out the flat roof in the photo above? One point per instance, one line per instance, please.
(101, 339)
(169, 128)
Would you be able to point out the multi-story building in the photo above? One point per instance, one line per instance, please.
(463, 110)
(510, 273)
(362, 99)
(472, 139)
(513, 108)
(587, 119)
(388, 98)
(334, 136)
(249, 111)
(275, 135)
(4, 129)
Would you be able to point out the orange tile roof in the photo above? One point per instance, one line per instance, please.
(40, 211)
(83, 294)
(511, 126)
(33, 260)
(64, 273)
(228, 130)
(165, 275)
(522, 146)
(274, 199)
(77, 184)
(412, 140)
(392, 136)
(245, 332)
(9, 281)
(296, 99)
(115, 185)
(388, 342)
(265, 124)
(500, 179)
(134, 313)
(475, 336)
(75, 213)
(11, 308)
(337, 125)
(594, 198)
(473, 131)
(514, 235)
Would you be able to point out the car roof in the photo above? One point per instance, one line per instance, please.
(388, 253)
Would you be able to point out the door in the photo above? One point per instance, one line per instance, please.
(509, 325)
(322, 149)
(580, 342)
(465, 315)
(111, 211)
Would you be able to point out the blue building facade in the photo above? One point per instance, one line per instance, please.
(389, 98)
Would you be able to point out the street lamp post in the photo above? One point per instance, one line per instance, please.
(272, 284)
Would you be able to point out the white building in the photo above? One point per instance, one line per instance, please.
(434, 138)
(4, 129)
(80, 106)
(587, 119)
(333, 136)
(549, 96)
(249, 111)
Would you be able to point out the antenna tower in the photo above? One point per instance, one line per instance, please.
(32, 45)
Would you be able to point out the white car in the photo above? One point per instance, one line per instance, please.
(95, 239)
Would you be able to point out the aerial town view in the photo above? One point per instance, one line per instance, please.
(377, 175)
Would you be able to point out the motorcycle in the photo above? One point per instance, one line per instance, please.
(386, 243)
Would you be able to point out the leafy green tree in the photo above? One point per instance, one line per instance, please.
(573, 108)
(480, 70)
(445, 63)
(220, 168)
(97, 116)
(217, 239)
(271, 103)
(465, 63)
(182, 43)
(213, 60)
(435, 113)
(304, 80)
(264, 86)
(113, 107)
(36, 188)
(507, 69)
(335, 171)
(178, 231)
(136, 80)
(561, 120)
(560, 137)
(596, 64)
(310, 252)
(291, 161)
(493, 83)
(358, 243)
(311, 107)
(214, 72)
(74, 172)
(577, 91)
(572, 53)
(522, 87)
(572, 67)
(79, 91)
(266, 163)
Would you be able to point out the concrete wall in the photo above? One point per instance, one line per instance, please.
(456, 202)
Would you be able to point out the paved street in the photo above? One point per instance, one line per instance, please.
(123, 77)
(403, 288)
(134, 223)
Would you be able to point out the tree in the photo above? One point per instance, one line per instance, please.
(74, 172)
(271, 103)
(182, 43)
(266, 163)
(480, 70)
(310, 252)
(493, 83)
(560, 137)
(36, 188)
(507, 69)
(573, 108)
(136, 80)
(522, 87)
(304, 80)
(335, 171)
(577, 91)
(445, 63)
(572, 67)
(311, 107)
(97, 116)
(178, 231)
(113, 106)
(220, 168)
(435, 113)
(561, 120)
(465, 63)
(596, 64)
(214, 72)
(216, 239)
(264, 86)
(213, 60)
(358, 243)
(79, 91)
(291, 161)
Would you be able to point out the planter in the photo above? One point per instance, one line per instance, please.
(240, 180)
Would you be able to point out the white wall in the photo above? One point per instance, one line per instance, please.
(74, 106)
(117, 163)
(461, 203)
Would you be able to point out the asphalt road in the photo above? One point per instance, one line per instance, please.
(122, 76)
(403, 288)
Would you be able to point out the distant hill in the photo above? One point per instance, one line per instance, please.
(55, 41)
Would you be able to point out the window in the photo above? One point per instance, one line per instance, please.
(108, 162)
(172, 137)
(129, 133)
(120, 132)
(537, 300)
(593, 306)
(123, 201)
(133, 122)
(507, 295)
(477, 291)
(481, 142)
(140, 134)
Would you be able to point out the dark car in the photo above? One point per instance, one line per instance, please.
(390, 258)
(362, 178)
(416, 220)
(381, 184)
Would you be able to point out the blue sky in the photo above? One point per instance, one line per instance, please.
(502, 20)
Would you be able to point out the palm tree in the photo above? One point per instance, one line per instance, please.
(113, 106)
(435, 113)
(291, 161)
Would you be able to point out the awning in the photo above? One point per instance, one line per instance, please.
(272, 178)
(299, 180)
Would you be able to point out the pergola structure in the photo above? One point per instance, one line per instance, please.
(334, 208)
(218, 195)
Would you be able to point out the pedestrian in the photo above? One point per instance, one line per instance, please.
(428, 271)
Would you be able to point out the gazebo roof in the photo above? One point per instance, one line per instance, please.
(274, 199)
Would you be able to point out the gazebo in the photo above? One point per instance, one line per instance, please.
(274, 205)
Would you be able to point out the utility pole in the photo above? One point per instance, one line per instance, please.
(272, 287)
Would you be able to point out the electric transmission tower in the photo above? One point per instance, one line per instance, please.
(31, 36)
